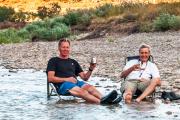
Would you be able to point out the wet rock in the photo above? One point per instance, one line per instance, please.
(175, 115)
(97, 84)
(169, 113)
(13, 70)
(103, 80)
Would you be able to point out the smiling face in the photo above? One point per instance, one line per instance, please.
(64, 49)
(144, 54)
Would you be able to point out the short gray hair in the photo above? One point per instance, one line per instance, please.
(144, 46)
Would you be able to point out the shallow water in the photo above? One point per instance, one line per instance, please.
(23, 97)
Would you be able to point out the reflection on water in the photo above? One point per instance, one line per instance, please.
(23, 97)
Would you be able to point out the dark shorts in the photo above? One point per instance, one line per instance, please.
(66, 86)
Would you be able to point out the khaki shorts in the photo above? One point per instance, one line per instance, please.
(134, 85)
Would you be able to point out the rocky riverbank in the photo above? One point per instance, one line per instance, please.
(109, 50)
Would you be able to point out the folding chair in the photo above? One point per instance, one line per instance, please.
(52, 89)
(138, 92)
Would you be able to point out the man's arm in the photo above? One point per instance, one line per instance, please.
(52, 78)
(85, 75)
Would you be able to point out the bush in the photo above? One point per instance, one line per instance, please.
(40, 24)
(56, 21)
(85, 19)
(6, 14)
(50, 29)
(82, 17)
(161, 23)
(71, 18)
(24, 34)
(31, 28)
(55, 33)
(103, 11)
(9, 36)
(174, 22)
(61, 30)
(166, 21)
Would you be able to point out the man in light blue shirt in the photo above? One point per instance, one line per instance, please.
(140, 74)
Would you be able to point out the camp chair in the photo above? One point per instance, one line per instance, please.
(52, 89)
(138, 92)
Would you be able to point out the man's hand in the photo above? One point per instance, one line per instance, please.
(136, 67)
(71, 79)
(92, 66)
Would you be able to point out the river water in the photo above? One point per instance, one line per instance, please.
(23, 97)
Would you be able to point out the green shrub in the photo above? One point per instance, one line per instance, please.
(103, 11)
(166, 21)
(24, 34)
(9, 36)
(48, 30)
(82, 17)
(3, 39)
(71, 18)
(58, 19)
(31, 27)
(60, 31)
(55, 33)
(161, 23)
(6, 14)
(43, 34)
(85, 19)
(40, 24)
(174, 22)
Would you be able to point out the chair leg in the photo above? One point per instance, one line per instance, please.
(48, 93)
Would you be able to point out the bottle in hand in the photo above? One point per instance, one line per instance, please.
(93, 60)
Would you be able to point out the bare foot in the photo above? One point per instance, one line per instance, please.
(138, 100)
(127, 98)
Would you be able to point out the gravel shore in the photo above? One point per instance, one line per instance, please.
(110, 52)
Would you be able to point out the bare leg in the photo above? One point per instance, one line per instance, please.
(92, 90)
(79, 92)
(127, 96)
(148, 90)
(129, 88)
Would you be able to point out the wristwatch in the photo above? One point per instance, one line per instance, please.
(90, 69)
